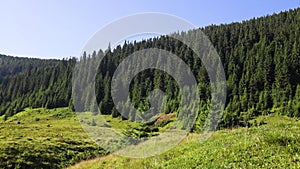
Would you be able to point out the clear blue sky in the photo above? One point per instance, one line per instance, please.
(60, 28)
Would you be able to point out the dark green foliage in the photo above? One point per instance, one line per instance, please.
(261, 61)
(34, 83)
(260, 57)
(143, 131)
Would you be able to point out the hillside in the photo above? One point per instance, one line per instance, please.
(258, 129)
(28, 82)
(274, 144)
(260, 58)
(44, 139)
(53, 138)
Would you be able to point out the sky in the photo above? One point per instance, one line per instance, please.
(61, 28)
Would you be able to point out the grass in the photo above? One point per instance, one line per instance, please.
(275, 144)
(55, 139)
(44, 139)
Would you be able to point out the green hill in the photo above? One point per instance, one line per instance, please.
(273, 144)
(45, 138)
(53, 138)
(261, 56)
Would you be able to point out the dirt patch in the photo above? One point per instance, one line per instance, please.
(164, 118)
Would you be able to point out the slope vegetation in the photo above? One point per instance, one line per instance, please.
(275, 143)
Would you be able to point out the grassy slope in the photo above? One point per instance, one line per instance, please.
(44, 139)
(55, 139)
(273, 145)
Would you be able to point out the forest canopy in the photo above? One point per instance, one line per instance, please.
(260, 57)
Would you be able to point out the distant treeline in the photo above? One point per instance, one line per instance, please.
(261, 58)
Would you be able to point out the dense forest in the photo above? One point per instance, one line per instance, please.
(27, 82)
(260, 57)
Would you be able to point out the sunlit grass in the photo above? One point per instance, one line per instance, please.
(44, 139)
(55, 139)
(276, 144)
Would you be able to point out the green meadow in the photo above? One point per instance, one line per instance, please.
(275, 143)
(45, 138)
(54, 138)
